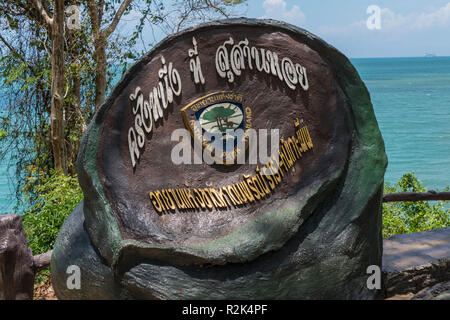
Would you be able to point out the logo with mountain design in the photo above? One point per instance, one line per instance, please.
(218, 122)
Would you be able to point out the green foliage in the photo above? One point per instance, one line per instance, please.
(407, 217)
(56, 196)
(3, 134)
(42, 276)
(217, 112)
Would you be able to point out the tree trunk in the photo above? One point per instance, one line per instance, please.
(75, 123)
(100, 71)
(96, 11)
(57, 102)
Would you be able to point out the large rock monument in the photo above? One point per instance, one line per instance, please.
(305, 223)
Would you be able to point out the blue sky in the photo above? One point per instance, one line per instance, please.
(408, 27)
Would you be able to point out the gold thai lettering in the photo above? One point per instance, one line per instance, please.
(251, 189)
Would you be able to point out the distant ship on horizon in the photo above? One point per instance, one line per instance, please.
(430, 55)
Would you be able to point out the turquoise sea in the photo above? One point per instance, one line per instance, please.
(411, 98)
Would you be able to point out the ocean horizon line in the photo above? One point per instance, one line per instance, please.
(407, 57)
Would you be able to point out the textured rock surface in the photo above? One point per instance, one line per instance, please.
(440, 291)
(312, 239)
(16, 260)
(311, 269)
(412, 262)
(97, 279)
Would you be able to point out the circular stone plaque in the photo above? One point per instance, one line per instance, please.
(168, 165)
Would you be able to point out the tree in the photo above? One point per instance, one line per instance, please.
(56, 77)
(96, 13)
(55, 29)
(180, 14)
(25, 75)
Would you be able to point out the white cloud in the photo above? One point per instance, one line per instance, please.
(392, 22)
(416, 21)
(277, 9)
(440, 18)
(401, 34)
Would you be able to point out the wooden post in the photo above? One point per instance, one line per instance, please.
(17, 264)
(16, 260)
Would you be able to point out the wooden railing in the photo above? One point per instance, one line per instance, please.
(416, 196)
(42, 261)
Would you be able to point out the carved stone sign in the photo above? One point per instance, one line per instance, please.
(278, 176)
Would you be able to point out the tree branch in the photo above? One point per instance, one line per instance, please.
(94, 17)
(44, 14)
(215, 6)
(17, 54)
(110, 29)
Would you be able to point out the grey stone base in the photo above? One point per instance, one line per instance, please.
(75, 248)
(293, 272)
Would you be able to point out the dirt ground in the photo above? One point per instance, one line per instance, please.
(44, 291)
